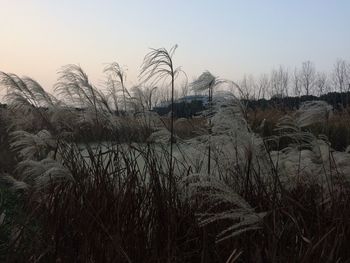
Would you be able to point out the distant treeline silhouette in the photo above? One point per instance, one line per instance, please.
(339, 101)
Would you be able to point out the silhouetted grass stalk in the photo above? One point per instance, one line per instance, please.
(158, 65)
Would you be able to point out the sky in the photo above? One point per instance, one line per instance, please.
(229, 38)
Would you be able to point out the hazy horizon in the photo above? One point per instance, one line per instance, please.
(229, 38)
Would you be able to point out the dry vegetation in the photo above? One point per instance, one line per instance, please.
(98, 184)
(336, 127)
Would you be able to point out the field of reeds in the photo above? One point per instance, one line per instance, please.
(95, 176)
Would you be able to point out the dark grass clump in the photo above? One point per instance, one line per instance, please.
(113, 208)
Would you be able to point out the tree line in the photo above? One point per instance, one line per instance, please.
(305, 80)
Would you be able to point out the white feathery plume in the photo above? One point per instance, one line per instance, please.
(15, 184)
(40, 174)
(311, 112)
(158, 65)
(75, 88)
(31, 146)
(217, 194)
(25, 91)
(116, 83)
(204, 82)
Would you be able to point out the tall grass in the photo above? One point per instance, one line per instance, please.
(107, 206)
(89, 189)
(158, 65)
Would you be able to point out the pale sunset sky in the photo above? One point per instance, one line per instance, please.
(229, 38)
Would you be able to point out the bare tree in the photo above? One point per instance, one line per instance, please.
(296, 83)
(263, 86)
(279, 82)
(307, 76)
(321, 83)
(247, 87)
(340, 75)
(348, 76)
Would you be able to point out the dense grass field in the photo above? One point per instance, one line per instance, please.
(82, 181)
